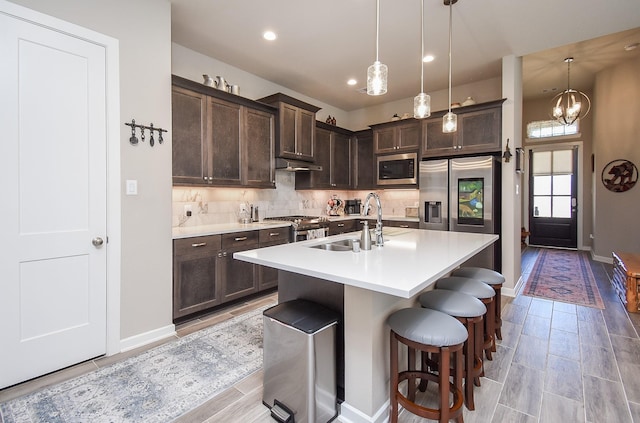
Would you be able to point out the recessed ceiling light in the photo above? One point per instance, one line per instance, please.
(428, 58)
(630, 47)
(352, 82)
(269, 35)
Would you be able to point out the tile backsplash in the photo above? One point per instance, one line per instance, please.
(222, 205)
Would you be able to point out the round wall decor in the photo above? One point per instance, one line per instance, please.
(619, 175)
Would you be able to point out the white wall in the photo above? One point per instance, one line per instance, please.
(143, 28)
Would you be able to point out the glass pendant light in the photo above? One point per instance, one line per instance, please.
(422, 102)
(450, 120)
(570, 104)
(377, 73)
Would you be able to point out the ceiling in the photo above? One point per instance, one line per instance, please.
(322, 44)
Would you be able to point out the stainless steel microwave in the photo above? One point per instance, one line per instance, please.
(397, 169)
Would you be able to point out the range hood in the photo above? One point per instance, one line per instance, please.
(295, 165)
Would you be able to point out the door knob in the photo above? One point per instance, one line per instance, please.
(97, 241)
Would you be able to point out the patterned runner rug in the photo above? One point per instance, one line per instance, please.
(562, 275)
(158, 385)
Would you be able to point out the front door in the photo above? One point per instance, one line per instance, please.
(553, 197)
(53, 187)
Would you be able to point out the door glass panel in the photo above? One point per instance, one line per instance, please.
(562, 184)
(541, 185)
(562, 207)
(563, 161)
(542, 206)
(541, 162)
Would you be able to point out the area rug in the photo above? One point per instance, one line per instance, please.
(158, 385)
(563, 275)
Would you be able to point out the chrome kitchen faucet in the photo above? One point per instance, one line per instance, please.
(365, 210)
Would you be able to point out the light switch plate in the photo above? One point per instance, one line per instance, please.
(132, 187)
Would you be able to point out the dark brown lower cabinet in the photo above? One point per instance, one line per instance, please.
(268, 276)
(206, 275)
(195, 269)
(343, 226)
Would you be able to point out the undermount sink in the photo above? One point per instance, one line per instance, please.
(342, 245)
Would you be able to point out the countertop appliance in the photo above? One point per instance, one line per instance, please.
(352, 207)
(463, 195)
(305, 227)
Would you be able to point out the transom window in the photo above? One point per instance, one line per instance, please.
(550, 129)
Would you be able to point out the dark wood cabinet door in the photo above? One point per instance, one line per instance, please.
(195, 268)
(225, 121)
(237, 278)
(408, 136)
(189, 137)
(322, 178)
(364, 167)
(435, 142)
(342, 227)
(341, 161)
(268, 276)
(384, 139)
(305, 140)
(259, 147)
(480, 131)
(287, 131)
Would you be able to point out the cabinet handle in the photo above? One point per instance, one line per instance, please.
(404, 226)
(240, 238)
(274, 233)
(224, 254)
(200, 244)
(340, 225)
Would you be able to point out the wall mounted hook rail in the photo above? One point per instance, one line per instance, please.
(134, 140)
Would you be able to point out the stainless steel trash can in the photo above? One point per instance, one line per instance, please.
(299, 362)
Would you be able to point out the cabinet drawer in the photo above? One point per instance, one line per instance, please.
(197, 245)
(240, 239)
(279, 235)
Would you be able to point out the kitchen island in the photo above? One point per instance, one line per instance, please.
(372, 285)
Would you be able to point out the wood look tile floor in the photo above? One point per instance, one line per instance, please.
(557, 362)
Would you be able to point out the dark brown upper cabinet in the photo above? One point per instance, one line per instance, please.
(364, 160)
(396, 136)
(333, 153)
(479, 131)
(221, 139)
(295, 132)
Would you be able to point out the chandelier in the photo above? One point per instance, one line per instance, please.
(570, 104)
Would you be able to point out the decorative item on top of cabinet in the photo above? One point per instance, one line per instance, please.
(333, 153)
(396, 136)
(479, 131)
(221, 139)
(295, 132)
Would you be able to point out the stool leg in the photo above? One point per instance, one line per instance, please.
(498, 289)
(393, 385)
(479, 328)
(411, 366)
(490, 323)
(458, 383)
(469, 357)
(444, 366)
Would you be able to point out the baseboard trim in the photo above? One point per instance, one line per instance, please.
(512, 292)
(602, 259)
(349, 414)
(145, 338)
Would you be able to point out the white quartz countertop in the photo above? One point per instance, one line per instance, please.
(409, 261)
(224, 228)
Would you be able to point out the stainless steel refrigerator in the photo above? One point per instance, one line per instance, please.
(463, 195)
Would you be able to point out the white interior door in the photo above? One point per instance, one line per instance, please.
(53, 187)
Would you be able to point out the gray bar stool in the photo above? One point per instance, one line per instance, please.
(427, 331)
(484, 293)
(492, 278)
(469, 311)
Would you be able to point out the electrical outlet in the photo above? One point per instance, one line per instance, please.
(187, 210)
